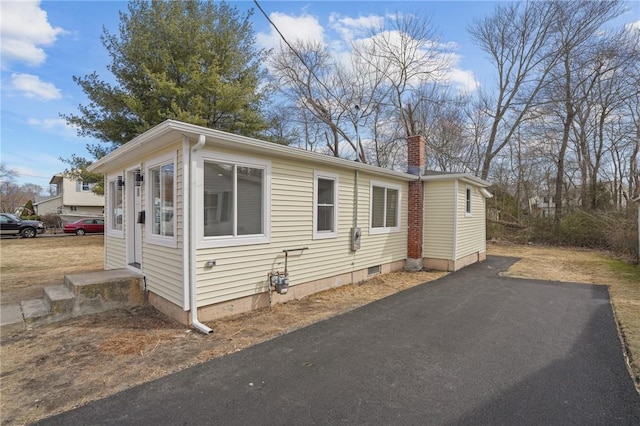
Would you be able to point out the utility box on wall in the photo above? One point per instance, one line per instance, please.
(356, 233)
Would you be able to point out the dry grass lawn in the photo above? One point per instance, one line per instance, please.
(55, 368)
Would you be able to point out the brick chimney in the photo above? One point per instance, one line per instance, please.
(416, 159)
(416, 156)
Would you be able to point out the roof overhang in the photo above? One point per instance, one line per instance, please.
(56, 179)
(168, 131)
(465, 177)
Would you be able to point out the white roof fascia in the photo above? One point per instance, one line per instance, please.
(465, 177)
(154, 138)
(486, 193)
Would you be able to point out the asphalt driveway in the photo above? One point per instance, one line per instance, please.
(471, 348)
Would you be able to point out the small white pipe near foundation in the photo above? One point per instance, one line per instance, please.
(192, 258)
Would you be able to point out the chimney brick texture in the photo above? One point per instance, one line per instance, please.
(416, 155)
(416, 159)
(416, 219)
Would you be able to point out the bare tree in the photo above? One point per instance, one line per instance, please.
(516, 38)
(406, 53)
(384, 72)
(576, 25)
(12, 194)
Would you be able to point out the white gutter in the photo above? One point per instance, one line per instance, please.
(191, 258)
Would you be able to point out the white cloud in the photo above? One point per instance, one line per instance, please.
(48, 123)
(24, 27)
(463, 79)
(31, 86)
(350, 28)
(294, 28)
(633, 26)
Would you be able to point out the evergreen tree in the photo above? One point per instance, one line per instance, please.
(193, 61)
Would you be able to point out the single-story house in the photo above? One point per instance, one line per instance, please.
(71, 199)
(220, 224)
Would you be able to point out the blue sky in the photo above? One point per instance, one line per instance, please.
(46, 43)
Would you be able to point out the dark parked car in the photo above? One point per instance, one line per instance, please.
(84, 226)
(11, 224)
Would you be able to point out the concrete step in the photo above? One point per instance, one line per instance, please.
(60, 299)
(81, 294)
(11, 320)
(36, 312)
(105, 290)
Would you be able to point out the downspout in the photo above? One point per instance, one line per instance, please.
(193, 304)
(455, 223)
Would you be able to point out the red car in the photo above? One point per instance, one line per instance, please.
(84, 226)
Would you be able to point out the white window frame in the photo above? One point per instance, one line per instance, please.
(468, 201)
(318, 235)
(236, 160)
(385, 229)
(151, 238)
(118, 233)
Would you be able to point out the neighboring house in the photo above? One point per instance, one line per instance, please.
(71, 200)
(217, 221)
(542, 206)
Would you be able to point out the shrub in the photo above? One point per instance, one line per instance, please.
(51, 220)
(609, 230)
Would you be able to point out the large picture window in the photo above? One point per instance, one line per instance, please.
(385, 208)
(161, 212)
(325, 200)
(115, 206)
(234, 201)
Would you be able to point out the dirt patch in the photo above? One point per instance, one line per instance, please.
(55, 368)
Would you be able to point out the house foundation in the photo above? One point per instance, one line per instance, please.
(262, 300)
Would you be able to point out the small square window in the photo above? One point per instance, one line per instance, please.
(385, 208)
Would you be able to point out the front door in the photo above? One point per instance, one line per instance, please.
(134, 221)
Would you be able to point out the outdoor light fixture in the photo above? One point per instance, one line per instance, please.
(120, 182)
(138, 177)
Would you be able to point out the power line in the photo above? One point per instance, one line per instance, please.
(295, 52)
(329, 92)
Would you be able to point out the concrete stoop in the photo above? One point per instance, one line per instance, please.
(81, 294)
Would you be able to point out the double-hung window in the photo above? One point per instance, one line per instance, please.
(161, 214)
(467, 208)
(325, 205)
(115, 206)
(235, 200)
(385, 208)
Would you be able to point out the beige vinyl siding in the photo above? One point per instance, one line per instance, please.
(243, 270)
(471, 228)
(114, 252)
(72, 197)
(439, 229)
(163, 266)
